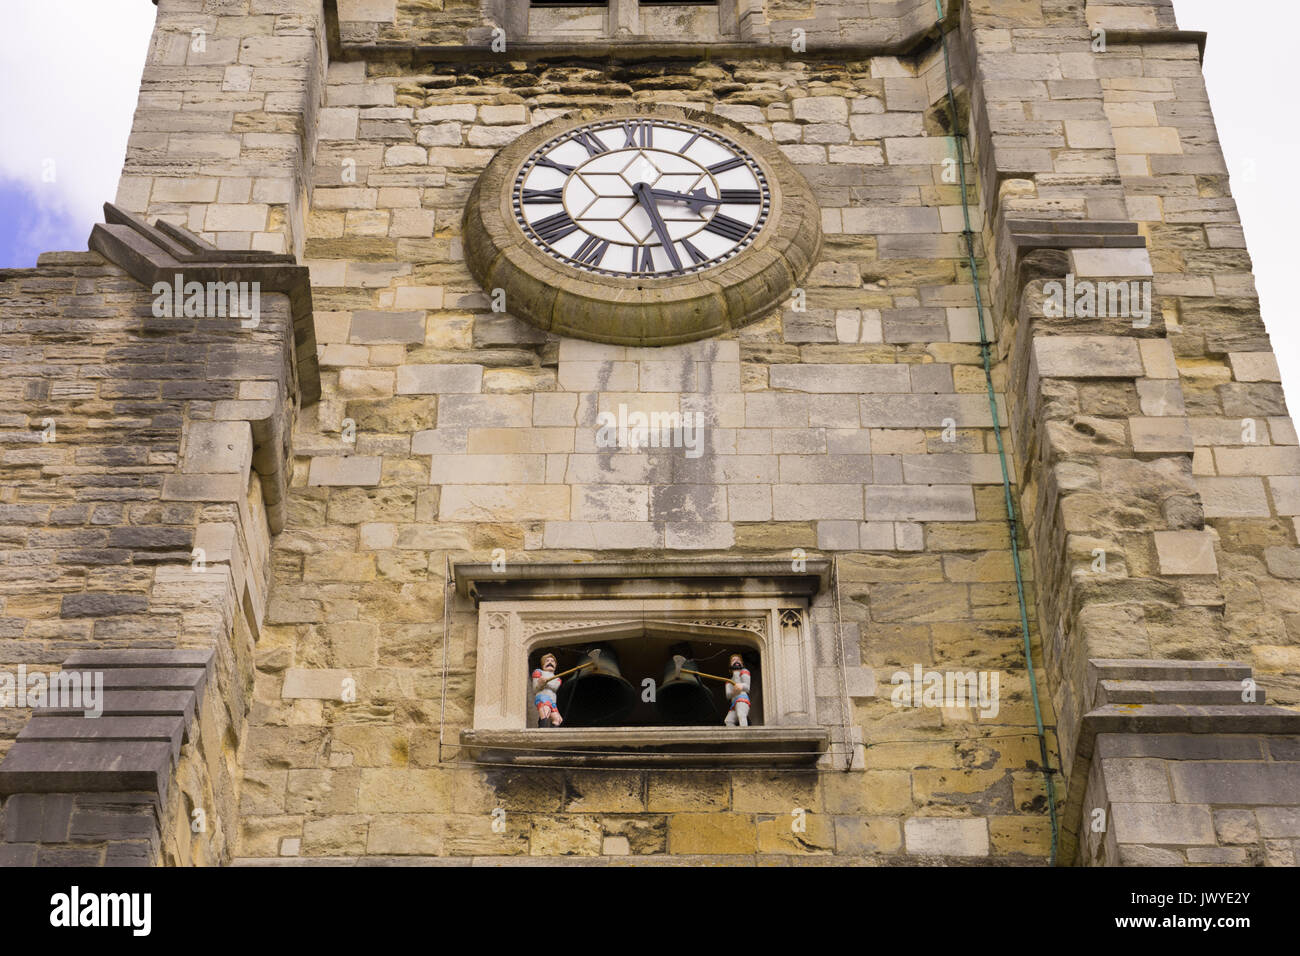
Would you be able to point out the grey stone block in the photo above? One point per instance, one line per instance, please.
(1136, 780)
(1087, 356)
(1230, 783)
(1217, 855)
(387, 328)
(139, 657)
(920, 503)
(17, 854)
(926, 411)
(1238, 826)
(1278, 821)
(942, 836)
(102, 605)
(1284, 748)
(1167, 824)
(151, 537)
(436, 379)
(37, 818)
(1130, 855)
(132, 853)
(354, 470)
(70, 767)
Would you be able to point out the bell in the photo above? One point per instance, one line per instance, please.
(597, 695)
(682, 698)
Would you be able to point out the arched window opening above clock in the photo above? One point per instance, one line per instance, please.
(540, 21)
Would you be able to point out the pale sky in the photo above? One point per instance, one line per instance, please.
(70, 72)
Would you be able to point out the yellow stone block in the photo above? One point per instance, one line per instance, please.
(1027, 835)
(711, 833)
(261, 836)
(796, 833)
(597, 792)
(565, 835)
(342, 835)
(399, 834)
(668, 791)
(773, 793)
(405, 791)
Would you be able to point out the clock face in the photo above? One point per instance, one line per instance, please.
(641, 198)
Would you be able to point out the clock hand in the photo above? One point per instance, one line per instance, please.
(696, 200)
(645, 197)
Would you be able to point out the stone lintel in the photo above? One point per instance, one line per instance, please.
(717, 577)
(640, 746)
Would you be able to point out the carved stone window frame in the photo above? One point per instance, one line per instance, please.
(763, 605)
(510, 631)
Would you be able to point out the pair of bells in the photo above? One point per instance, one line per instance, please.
(599, 696)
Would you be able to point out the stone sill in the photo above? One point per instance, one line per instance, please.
(649, 746)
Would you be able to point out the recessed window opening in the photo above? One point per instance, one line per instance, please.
(651, 680)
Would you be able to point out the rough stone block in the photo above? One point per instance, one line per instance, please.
(1164, 824)
(437, 379)
(1207, 781)
(1186, 552)
(1087, 356)
(1254, 367)
(384, 328)
(339, 470)
(941, 836)
(315, 683)
(1233, 497)
(218, 448)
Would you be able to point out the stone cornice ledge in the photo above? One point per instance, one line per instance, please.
(1163, 697)
(641, 579)
(640, 746)
(157, 253)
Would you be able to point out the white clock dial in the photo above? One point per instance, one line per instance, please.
(641, 197)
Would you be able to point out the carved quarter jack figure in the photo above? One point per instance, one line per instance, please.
(738, 693)
(545, 684)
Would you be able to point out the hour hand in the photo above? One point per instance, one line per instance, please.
(645, 196)
(696, 200)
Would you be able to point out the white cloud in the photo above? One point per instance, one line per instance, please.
(69, 77)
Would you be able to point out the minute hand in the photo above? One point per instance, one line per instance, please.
(696, 200)
(645, 197)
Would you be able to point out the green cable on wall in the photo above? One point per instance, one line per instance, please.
(959, 138)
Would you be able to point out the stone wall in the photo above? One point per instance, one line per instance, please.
(128, 443)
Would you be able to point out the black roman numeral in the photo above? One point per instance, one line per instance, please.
(555, 227)
(644, 262)
(747, 196)
(543, 195)
(689, 143)
(727, 227)
(726, 164)
(590, 143)
(638, 129)
(547, 161)
(591, 251)
(694, 253)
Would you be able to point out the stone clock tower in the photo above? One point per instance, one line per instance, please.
(641, 432)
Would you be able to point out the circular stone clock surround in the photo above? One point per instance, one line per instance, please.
(635, 309)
